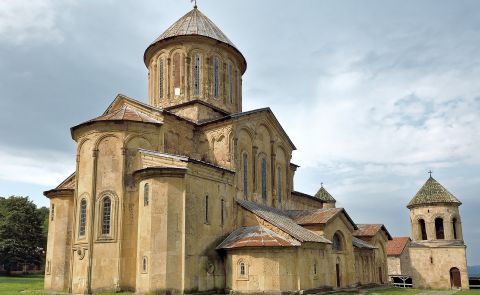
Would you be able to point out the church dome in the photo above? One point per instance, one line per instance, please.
(194, 23)
(432, 192)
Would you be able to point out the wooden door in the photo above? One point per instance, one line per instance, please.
(455, 280)
(337, 271)
(380, 277)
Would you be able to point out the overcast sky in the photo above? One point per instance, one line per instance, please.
(372, 93)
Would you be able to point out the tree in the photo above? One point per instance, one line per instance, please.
(21, 239)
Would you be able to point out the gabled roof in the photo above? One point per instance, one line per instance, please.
(253, 112)
(361, 244)
(370, 230)
(126, 113)
(396, 246)
(256, 236)
(325, 196)
(432, 192)
(68, 183)
(318, 216)
(281, 220)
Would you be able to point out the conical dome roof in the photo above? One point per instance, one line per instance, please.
(194, 23)
(432, 192)
(325, 196)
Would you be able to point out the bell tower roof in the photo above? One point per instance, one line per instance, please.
(194, 23)
(432, 192)
(325, 196)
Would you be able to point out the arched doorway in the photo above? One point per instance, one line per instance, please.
(338, 273)
(455, 280)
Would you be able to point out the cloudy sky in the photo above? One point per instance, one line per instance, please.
(373, 93)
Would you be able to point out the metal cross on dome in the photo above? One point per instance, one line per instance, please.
(430, 172)
(195, 3)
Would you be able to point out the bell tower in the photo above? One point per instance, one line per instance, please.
(194, 70)
(437, 252)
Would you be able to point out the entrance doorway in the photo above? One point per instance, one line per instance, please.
(337, 271)
(380, 277)
(455, 280)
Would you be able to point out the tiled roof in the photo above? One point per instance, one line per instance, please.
(126, 113)
(313, 216)
(396, 245)
(256, 236)
(325, 196)
(369, 230)
(358, 243)
(194, 23)
(317, 216)
(281, 220)
(432, 192)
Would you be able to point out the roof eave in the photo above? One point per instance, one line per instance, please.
(244, 61)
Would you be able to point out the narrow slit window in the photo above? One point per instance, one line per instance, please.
(216, 73)
(264, 179)
(245, 175)
(161, 74)
(176, 74)
(196, 80)
(222, 212)
(52, 213)
(230, 82)
(279, 183)
(83, 218)
(206, 209)
(454, 227)
(144, 264)
(146, 194)
(106, 213)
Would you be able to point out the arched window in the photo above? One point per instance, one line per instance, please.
(83, 218)
(336, 242)
(106, 213)
(245, 175)
(423, 229)
(196, 77)
(206, 209)
(161, 74)
(230, 82)
(264, 179)
(146, 192)
(216, 75)
(454, 228)
(176, 73)
(144, 264)
(279, 184)
(439, 229)
(52, 212)
(242, 270)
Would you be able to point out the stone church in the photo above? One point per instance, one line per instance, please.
(435, 257)
(188, 193)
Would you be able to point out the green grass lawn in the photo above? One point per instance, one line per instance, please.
(33, 284)
(14, 285)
